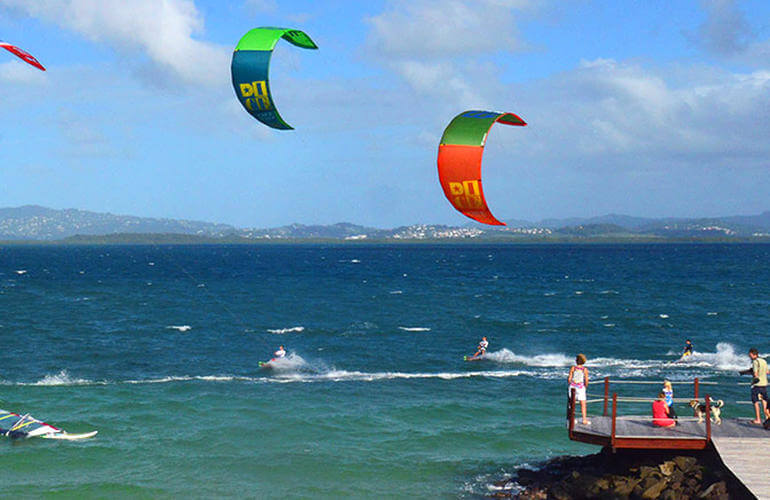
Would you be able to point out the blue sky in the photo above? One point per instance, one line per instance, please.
(648, 108)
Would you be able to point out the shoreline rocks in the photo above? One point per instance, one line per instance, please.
(634, 474)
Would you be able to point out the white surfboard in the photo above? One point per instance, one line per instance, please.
(70, 437)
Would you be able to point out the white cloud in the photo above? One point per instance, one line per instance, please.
(261, 5)
(20, 72)
(162, 30)
(426, 28)
(442, 48)
(725, 30)
(608, 108)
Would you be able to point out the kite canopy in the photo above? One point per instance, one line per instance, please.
(249, 68)
(459, 161)
(23, 54)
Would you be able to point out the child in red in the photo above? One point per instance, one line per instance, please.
(660, 416)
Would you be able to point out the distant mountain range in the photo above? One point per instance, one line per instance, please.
(35, 223)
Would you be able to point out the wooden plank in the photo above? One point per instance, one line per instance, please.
(742, 456)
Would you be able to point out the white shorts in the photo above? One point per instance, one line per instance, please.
(580, 393)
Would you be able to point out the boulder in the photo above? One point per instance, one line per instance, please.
(655, 490)
(667, 467)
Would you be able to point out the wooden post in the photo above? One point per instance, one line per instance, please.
(708, 418)
(606, 393)
(614, 417)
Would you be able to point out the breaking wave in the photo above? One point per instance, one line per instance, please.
(281, 331)
(181, 328)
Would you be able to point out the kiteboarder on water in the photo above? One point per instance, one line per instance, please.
(279, 354)
(688, 349)
(482, 349)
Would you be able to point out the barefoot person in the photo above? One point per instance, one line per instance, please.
(758, 385)
(578, 382)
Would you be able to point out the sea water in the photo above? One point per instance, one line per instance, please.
(157, 348)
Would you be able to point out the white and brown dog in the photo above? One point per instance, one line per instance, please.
(700, 410)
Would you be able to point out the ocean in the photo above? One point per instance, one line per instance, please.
(157, 348)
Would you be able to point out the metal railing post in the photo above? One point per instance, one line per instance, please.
(614, 418)
(606, 393)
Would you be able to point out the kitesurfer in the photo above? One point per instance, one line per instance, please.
(688, 349)
(279, 354)
(482, 348)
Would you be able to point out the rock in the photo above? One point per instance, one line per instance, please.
(667, 467)
(655, 490)
(525, 477)
(670, 493)
(685, 463)
(716, 490)
(624, 486)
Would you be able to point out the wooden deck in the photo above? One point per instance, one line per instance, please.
(743, 447)
(739, 454)
(637, 432)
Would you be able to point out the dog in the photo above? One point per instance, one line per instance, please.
(700, 410)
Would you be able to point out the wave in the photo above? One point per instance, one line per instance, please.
(291, 329)
(414, 328)
(724, 359)
(539, 360)
(62, 378)
(181, 328)
(357, 376)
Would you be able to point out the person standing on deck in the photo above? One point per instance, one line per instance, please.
(758, 384)
(578, 382)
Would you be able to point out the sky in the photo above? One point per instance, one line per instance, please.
(647, 108)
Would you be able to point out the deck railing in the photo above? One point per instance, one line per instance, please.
(571, 409)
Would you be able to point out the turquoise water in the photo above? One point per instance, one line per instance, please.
(157, 348)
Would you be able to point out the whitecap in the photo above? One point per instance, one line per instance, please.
(281, 331)
(663, 316)
(414, 328)
(62, 378)
(181, 328)
(540, 360)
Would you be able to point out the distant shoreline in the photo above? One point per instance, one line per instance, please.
(187, 239)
